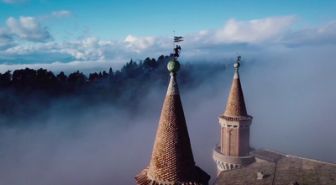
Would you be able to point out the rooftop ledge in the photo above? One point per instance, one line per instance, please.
(236, 118)
(241, 160)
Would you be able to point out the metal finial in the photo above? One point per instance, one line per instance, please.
(237, 64)
(173, 65)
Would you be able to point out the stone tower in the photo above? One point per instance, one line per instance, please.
(172, 161)
(234, 148)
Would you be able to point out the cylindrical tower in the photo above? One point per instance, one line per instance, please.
(234, 148)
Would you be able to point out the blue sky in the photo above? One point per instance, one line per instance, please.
(63, 31)
(116, 19)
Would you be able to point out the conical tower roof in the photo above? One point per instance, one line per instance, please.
(172, 161)
(235, 107)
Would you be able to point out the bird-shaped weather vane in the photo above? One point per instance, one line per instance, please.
(177, 48)
(237, 63)
(173, 65)
(238, 58)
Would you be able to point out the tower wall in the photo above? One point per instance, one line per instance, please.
(234, 148)
(244, 143)
(235, 137)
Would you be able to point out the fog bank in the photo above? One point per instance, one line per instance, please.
(290, 94)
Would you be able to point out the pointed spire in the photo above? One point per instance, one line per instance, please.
(172, 161)
(235, 107)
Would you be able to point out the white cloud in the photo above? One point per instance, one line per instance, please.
(28, 28)
(325, 34)
(87, 49)
(244, 37)
(83, 66)
(204, 43)
(252, 31)
(139, 44)
(61, 13)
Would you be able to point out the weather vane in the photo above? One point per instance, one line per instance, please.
(173, 65)
(177, 48)
(237, 64)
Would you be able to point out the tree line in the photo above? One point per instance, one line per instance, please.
(46, 81)
(24, 92)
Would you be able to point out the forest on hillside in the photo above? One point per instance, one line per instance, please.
(24, 93)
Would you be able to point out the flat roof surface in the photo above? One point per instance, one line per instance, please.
(280, 169)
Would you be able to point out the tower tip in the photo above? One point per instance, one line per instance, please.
(173, 66)
(236, 65)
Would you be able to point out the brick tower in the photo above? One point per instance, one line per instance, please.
(234, 148)
(172, 161)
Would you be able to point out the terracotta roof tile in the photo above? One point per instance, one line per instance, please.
(235, 106)
(172, 161)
